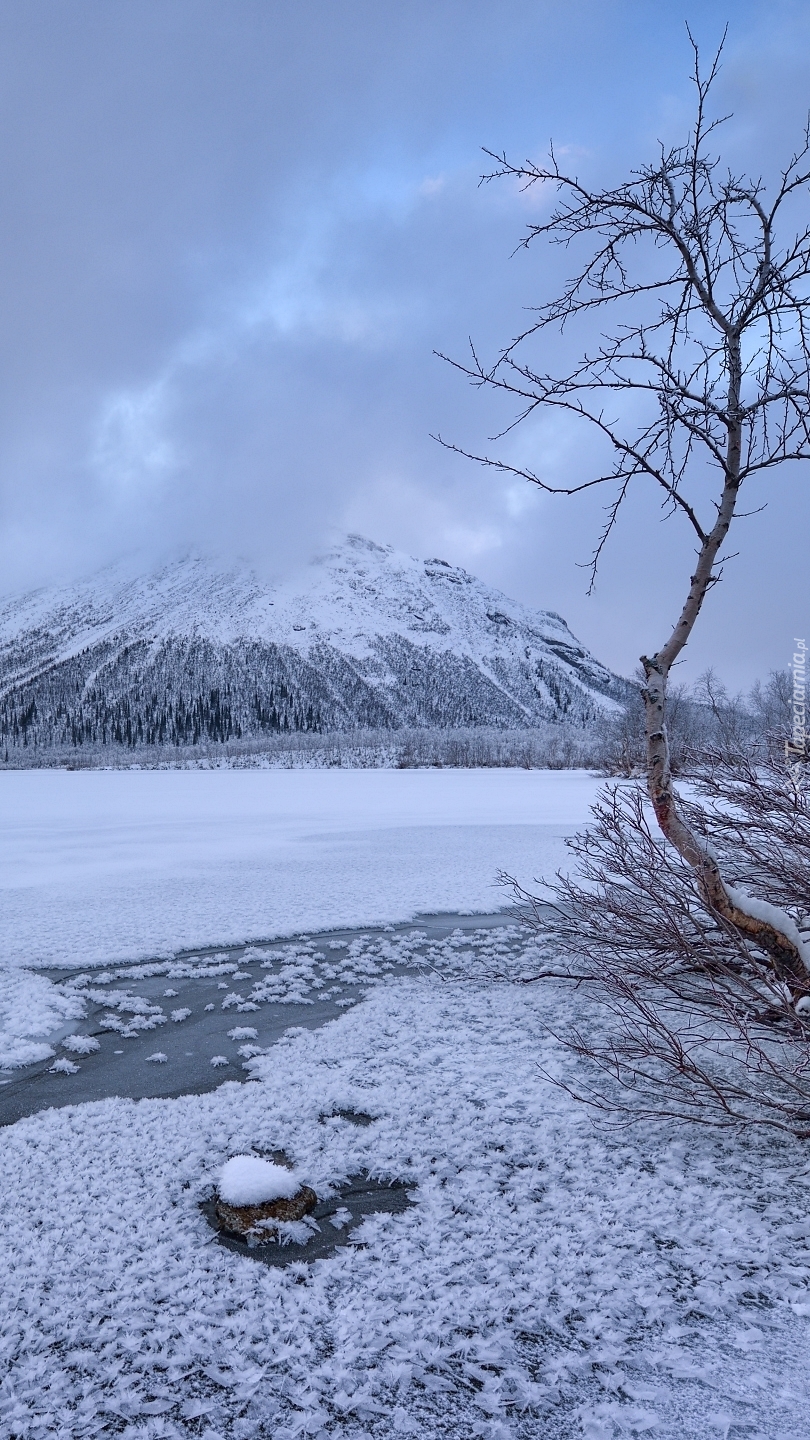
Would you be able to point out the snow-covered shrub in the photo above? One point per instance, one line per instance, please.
(701, 720)
(702, 1026)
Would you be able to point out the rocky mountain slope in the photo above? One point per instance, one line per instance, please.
(366, 637)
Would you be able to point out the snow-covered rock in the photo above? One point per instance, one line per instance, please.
(364, 637)
(249, 1180)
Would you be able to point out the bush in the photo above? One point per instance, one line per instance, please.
(694, 1022)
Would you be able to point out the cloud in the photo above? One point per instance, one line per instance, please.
(235, 236)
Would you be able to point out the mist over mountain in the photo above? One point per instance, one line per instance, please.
(364, 638)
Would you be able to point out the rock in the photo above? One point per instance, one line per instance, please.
(242, 1220)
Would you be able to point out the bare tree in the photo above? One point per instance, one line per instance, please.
(711, 347)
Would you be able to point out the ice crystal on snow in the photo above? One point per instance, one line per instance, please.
(80, 1044)
(63, 1066)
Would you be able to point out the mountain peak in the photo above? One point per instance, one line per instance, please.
(362, 637)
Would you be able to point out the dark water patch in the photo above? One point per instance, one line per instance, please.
(337, 1220)
(124, 1068)
(266, 987)
(354, 1117)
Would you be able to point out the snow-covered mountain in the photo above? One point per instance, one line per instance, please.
(366, 637)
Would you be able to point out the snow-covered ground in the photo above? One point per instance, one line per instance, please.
(548, 1281)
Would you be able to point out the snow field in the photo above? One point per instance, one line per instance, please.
(99, 867)
(547, 1281)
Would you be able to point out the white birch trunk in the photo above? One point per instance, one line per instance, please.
(765, 925)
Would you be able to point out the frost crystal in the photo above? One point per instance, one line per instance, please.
(63, 1066)
(80, 1044)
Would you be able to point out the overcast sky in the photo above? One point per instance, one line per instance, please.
(234, 233)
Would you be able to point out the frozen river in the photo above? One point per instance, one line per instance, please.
(184, 1026)
(165, 932)
(104, 868)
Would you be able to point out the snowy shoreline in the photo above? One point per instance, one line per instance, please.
(548, 1279)
(115, 1017)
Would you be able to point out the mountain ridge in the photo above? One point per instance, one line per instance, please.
(365, 638)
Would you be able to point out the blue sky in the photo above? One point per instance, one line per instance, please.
(234, 234)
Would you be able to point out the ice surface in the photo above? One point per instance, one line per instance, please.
(249, 1180)
(103, 867)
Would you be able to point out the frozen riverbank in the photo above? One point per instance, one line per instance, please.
(106, 867)
(547, 1279)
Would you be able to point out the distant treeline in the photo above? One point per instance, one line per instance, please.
(550, 747)
(702, 719)
(185, 693)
